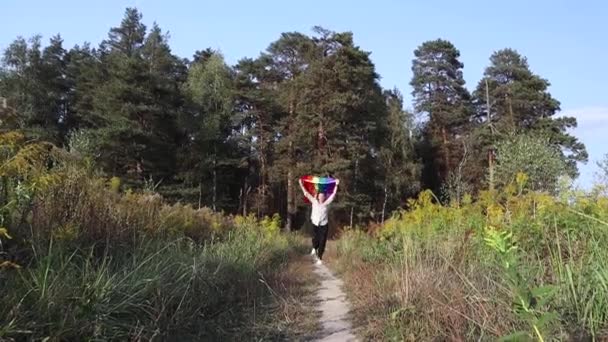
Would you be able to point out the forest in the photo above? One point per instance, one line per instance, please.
(233, 138)
(154, 195)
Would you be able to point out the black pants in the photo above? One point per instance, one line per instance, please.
(319, 238)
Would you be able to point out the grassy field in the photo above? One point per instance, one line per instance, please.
(163, 290)
(515, 265)
(82, 257)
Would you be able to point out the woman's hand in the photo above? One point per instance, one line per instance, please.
(337, 181)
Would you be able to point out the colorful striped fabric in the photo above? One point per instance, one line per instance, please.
(314, 185)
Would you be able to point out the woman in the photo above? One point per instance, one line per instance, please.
(318, 217)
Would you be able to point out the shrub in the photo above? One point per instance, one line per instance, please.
(534, 156)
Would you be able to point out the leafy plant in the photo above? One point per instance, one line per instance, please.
(528, 301)
(532, 156)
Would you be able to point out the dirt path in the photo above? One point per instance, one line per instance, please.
(334, 308)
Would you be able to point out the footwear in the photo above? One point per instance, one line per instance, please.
(313, 252)
(319, 262)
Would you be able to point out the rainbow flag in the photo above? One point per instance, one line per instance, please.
(314, 185)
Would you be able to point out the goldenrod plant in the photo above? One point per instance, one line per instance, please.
(512, 263)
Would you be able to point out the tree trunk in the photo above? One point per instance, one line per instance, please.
(290, 201)
(200, 193)
(262, 189)
(214, 178)
(511, 116)
(385, 200)
(446, 152)
(245, 197)
(352, 208)
(491, 169)
(290, 193)
(243, 200)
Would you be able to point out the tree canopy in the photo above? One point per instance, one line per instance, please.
(237, 137)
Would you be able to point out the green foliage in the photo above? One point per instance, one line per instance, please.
(520, 103)
(533, 156)
(401, 169)
(31, 79)
(85, 259)
(235, 138)
(131, 117)
(313, 105)
(439, 92)
(209, 87)
(81, 142)
(514, 264)
(168, 289)
(526, 301)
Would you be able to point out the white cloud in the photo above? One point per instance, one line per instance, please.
(592, 130)
(588, 113)
(589, 118)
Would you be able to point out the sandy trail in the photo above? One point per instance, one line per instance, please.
(334, 308)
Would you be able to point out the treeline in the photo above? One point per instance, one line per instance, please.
(236, 138)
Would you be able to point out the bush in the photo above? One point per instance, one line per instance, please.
(534, 156)
(86, 211)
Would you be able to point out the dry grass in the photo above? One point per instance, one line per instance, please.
(289, 311)
(293, 317)
(509, 265)
(82, 209)
(247, 288)
(428, 299)
(176, 272)
(104, 263)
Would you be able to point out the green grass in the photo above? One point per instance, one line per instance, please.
(174, 290)
(98, 264)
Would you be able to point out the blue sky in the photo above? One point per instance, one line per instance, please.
(565, 41)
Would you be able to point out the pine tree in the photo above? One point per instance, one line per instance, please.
(257, 114)
(53, 76)
(83, 76)
(137, 99)
(128, 38)
(400, 167)
(439, 92)
(288, 58)
(210, 88)
(520, 103)
(32, 81)
(166, 74)
(341, 121)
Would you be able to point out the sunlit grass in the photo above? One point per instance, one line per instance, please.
(514, 264)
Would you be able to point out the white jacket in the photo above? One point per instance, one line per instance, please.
(318, 216)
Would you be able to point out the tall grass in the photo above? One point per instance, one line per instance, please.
(174, 290)
(512, 265)
(83, 258)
